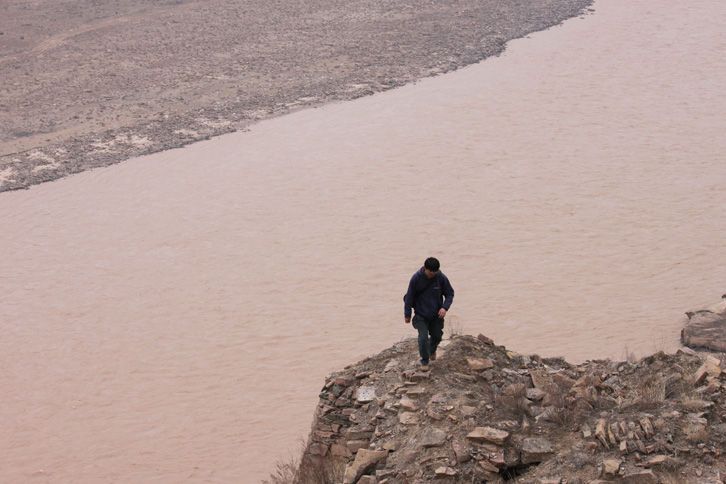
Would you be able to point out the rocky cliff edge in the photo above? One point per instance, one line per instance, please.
(482, 413)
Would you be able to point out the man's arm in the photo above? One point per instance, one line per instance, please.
(448, 293)
(408, 299)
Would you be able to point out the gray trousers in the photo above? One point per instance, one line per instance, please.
(430, 332)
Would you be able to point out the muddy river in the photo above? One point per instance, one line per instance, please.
(172, 318)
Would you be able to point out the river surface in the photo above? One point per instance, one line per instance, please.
(172, 318)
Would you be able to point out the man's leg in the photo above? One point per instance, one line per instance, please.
(436, 328)
(423, 338)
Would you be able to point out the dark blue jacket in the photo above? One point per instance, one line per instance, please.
(426, 296)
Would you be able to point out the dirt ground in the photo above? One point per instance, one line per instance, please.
(91, 83)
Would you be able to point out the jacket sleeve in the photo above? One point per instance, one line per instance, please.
(448, 291)
(408, 298)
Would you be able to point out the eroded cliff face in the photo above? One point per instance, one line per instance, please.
(481, 413)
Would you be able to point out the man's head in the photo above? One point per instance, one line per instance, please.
(431, 267)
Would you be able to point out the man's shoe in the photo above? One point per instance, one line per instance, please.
(424, 364)
(432, 357)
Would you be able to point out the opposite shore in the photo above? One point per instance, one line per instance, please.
(93, 86)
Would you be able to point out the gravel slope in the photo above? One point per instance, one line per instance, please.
(88, 85)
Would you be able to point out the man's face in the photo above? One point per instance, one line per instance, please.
(429, 273)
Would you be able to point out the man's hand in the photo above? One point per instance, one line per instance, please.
(442, 313)
(407, 320)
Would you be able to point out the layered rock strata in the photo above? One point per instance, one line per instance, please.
(706, 328)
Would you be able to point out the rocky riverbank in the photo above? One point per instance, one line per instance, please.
(483, 413)
(90, 84)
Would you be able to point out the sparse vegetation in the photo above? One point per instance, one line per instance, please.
(628, 355)
(453, 327)
(650, 393)
(310, 472)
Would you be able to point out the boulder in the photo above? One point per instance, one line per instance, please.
(359, 433)
(711, 367)
(391, 445)
(497, 458)
(535, 394)
(488, 466)
(415, 391)
(488, 434)
(365, 394)
(340, 450)
(467, 411)
(419, 376)
(535, 450)
(600, 432)
(462, 451)
(541, 379)
(662, 460)
(480, 364)
(611, 467)
(434, 414)
(641, 477)
(317, 448)
(647, 427)
(364, 460)
(433, 438)
(408, 418)
(563, 381)
(344, 381)
(706, 328)
(445, 471)
(485, 340)
(408, 404)
(355, 445)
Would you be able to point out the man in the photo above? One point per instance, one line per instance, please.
(430, 295)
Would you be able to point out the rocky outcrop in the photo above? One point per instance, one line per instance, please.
(706, 328)
(387, 421)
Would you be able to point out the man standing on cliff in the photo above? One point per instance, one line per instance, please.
(429, 295)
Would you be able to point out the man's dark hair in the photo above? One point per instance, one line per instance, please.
(432, 264)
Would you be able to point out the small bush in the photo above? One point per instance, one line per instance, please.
(629, 356)
(284, 472)
(310, 471)
(652, 392)
(453, 327)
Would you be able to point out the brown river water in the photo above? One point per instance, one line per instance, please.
(172, 318)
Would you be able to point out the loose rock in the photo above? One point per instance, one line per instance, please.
(535, 450)
(642, 477)
(433, 438)
(488, 434)
(611, 467)
(364, 460)
(479, 364)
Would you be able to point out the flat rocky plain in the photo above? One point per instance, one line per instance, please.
(91, 83)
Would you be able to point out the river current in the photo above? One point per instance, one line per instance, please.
(172, 318)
